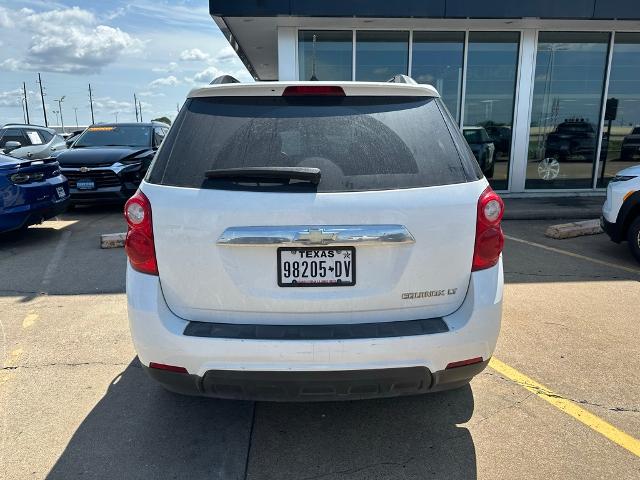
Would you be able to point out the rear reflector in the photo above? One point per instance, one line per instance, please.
(323, 90)
(464, 363)
(168, 368)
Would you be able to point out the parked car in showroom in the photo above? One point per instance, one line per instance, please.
(29, 141)
(621, 210)
(106, 162)
(30, 191)
(314, 241)
(630, 145)
(573, 139)
(501, 138)
(482, 147)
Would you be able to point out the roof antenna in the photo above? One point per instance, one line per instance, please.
(313, 61)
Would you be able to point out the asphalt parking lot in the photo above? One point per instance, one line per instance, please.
(561, 400)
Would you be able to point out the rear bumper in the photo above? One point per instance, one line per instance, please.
(315, 385)
(284, 369)
(32, 215)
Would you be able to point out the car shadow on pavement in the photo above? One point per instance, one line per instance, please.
(137, 430)
(140, 431)
(410, 438)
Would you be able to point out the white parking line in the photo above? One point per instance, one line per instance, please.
(575, 255)
(55, 259)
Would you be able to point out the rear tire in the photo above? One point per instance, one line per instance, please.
(633, 238)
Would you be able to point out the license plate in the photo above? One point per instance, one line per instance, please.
(317, 267)
(85, 184)
(60, 192)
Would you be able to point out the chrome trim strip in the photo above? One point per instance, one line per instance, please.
(306, 235)
(116, 167)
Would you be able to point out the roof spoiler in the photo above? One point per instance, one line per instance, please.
(224, 79)
(402, 79)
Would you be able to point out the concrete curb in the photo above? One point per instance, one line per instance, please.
(575, 229)
(112, 240)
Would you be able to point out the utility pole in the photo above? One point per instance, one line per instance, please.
(140, 109)
(76, 110)
(135, 104)
(26, 104)
(44, 108)
(91, 104)
(60, 100)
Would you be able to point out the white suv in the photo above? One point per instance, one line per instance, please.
(621, 210)
(314, 241)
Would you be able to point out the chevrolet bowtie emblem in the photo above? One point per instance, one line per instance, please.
(85, 169)
(317, 236)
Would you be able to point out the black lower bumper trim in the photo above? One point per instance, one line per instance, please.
(317, 332)
(316, 386)
(613, 230)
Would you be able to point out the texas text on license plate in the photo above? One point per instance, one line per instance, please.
(317, 267)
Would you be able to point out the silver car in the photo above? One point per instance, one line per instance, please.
(30, 141)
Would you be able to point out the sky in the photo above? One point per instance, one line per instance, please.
(157, 49)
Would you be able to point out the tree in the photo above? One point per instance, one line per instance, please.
(163, 120)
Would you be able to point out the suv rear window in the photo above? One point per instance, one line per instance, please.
(358, 143)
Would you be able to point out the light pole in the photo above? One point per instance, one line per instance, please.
(56, 113)
(76, 111)
(116, 114)
(60, 100)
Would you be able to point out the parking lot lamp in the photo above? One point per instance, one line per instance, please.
(60, 100)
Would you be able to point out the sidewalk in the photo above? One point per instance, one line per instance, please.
(553, 208)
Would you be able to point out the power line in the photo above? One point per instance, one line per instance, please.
(44, 108)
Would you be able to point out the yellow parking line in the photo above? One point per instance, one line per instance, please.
(29, 320)
(575, 255)
(567, 406)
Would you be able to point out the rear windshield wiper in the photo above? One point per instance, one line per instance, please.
(267, 174)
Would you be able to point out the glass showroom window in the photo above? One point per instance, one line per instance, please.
(567, 102)
(621, 138)
(492, 66)
(325, 54)
(437, 60)
(381, 55)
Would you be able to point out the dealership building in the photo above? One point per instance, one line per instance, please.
(554, 85)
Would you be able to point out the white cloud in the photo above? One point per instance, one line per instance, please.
(205, 76)
(149, 93)
(194, 54)
(169, 68)
(227, 53)
(67, 40)
(11, 98)
(111, 105)
(169, 81)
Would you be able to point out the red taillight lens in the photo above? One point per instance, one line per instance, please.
(323, 90)
(489, 236)
(139, 244)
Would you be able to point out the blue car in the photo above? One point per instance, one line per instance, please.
(30, 191)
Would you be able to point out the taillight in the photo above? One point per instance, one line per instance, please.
(489, 236)
(322, 90)
(139, 243)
